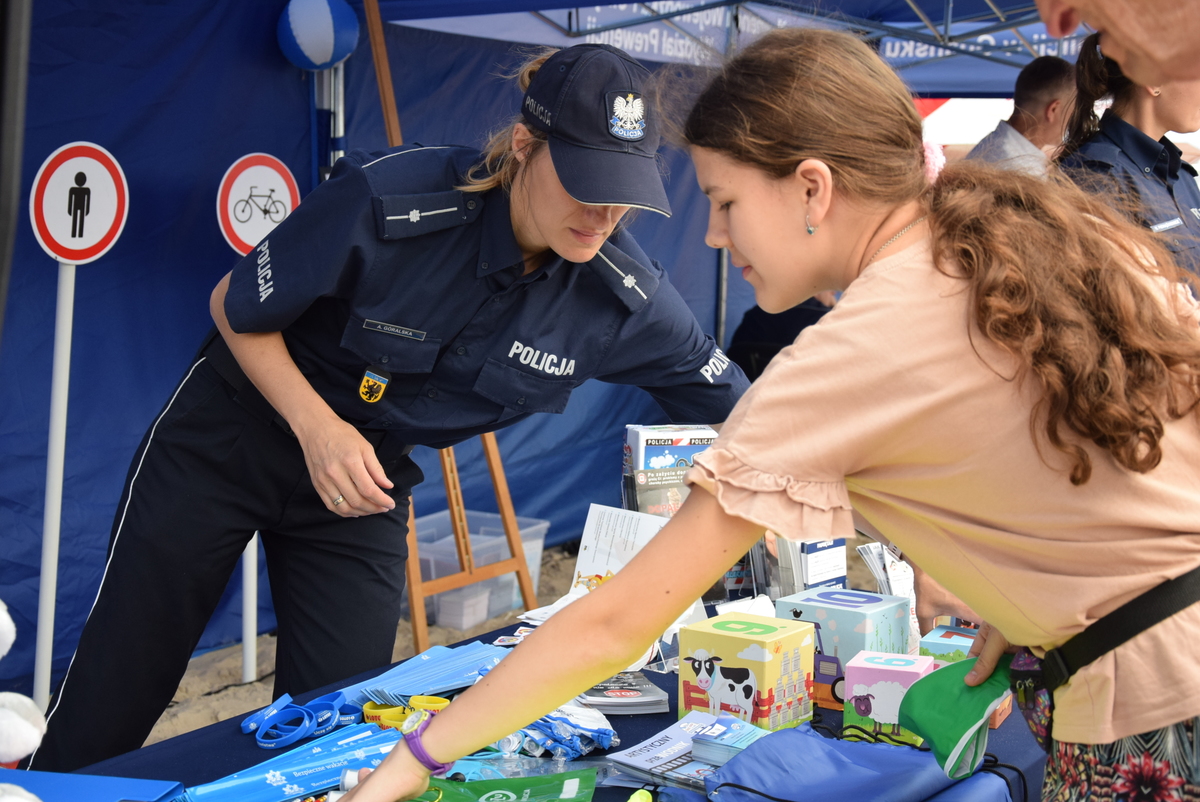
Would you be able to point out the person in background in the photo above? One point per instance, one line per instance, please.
(1007, 391)
(1154, 40)
(1126, 156)
(761, 335)
(1041, 108)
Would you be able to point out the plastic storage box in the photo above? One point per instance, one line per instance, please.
(470, 606)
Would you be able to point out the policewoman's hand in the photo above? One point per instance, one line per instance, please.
(343, 467)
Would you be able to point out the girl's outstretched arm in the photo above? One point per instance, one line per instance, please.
(587, 642)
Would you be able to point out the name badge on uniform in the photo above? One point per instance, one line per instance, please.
(374, 384)
(1166, 225)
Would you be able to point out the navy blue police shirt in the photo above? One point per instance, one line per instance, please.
(386, 271)
(1152, 176)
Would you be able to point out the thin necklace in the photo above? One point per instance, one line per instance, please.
(899, 234)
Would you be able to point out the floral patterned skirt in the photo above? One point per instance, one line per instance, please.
(1158, 766)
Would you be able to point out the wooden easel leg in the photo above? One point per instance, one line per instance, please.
(458, 510)
(491, 452)
(417, 588)
(416, 591)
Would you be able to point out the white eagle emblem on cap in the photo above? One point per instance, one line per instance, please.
(629, 117)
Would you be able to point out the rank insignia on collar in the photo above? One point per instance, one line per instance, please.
(374, 383)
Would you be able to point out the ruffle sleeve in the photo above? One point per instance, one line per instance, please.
(791, 508)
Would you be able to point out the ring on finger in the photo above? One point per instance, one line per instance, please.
(338, 500)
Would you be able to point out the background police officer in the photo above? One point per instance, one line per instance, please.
(1126, 153)
(420, 296)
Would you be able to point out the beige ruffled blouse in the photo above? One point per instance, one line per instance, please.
(894, 411)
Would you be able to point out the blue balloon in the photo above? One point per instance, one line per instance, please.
(317, 34)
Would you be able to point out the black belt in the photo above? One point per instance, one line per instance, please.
(216, 352)
(1127, 621)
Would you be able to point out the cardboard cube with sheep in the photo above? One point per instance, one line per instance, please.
(875, 684)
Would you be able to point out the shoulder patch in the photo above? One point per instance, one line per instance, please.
(403, 216)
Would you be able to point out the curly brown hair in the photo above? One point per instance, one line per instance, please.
(1057, 278)
(1063, 282)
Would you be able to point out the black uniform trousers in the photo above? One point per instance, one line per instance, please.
(208, 474)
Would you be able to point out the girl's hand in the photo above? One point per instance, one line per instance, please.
(398, 778)
(989, 645)
(934, 600)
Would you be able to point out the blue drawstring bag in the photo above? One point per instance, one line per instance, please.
(799, 765)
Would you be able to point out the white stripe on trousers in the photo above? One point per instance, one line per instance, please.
(112, 551)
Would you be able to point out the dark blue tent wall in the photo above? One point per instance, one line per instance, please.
(177, 92)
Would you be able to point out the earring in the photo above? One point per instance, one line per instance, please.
(809, 226)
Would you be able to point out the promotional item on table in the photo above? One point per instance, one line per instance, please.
(437, 670)
(513, 639)
(724, 739)
(758, 668)
(611, 537)
(49, 786)
(656, 459)
(569, 786)
(799, 765)
(666, 758)
(316, 766)
(952, 716)
(894, 577)
(846, 623)
(628, 693)
(876, 684)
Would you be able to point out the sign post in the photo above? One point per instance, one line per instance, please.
(78, 207)
(255, 194)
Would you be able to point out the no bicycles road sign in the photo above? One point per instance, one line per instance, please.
(257, 192)
(79, 203)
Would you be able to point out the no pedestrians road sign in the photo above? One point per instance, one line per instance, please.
(79, 203)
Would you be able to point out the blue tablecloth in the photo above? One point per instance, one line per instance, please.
(221, 749)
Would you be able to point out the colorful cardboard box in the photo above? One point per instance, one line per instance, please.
(875, 684)
(947, 644)
(846, 622)
(756, 668)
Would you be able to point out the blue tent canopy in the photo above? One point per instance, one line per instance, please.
(177, 93)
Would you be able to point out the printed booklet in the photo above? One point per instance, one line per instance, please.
(666, 758)
(628, 693)
(725, 739)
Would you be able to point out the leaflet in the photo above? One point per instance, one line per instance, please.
(666, 758)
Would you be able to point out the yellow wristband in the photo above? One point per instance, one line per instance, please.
(430, 703)
(372, 713)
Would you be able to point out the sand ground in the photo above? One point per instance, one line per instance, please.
(212, 689)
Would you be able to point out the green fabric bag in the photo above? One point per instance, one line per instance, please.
(952, 716)
(571, 786)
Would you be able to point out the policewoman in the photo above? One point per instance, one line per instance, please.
(1126, 152)
(420, 296)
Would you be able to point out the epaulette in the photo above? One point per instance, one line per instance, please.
(403, 216)
(629, 280)
(1097, 152)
